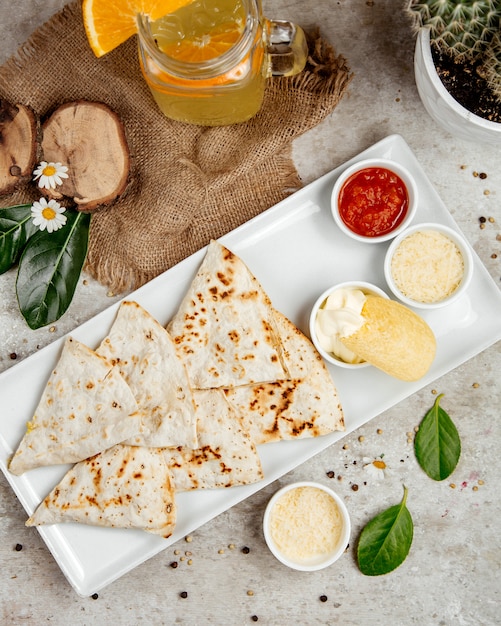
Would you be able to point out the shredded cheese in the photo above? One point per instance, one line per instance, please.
(305, 524)
(427, 266)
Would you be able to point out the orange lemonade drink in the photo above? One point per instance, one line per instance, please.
(205, 63)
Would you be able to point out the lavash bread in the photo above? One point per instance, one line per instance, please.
(223, 328)
(394, 339)
(226, 456)
(145, 355)
(123, 487)
(85, 408)
(306, 405)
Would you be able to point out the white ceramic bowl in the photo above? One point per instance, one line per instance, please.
(328, 356)
(406, 178)
(463, 248)
(319, 562)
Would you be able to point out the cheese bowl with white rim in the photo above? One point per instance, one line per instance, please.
(306, 526)
(428, 266)
(335, 356)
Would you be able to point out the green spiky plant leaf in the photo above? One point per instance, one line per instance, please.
(463, 28)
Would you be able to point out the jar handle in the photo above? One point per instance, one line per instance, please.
(286, 47)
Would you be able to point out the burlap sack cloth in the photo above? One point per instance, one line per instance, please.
(188, 184)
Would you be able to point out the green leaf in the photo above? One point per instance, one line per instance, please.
(437, 444)
(386, 540)
(49, 270)
(16, 227)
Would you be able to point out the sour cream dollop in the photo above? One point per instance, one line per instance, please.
(339, 316)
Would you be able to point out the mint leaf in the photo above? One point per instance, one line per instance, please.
(386, 540)
(16, 227)
(437, 444)
(49, 270)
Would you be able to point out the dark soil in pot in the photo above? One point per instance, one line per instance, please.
(466, 85)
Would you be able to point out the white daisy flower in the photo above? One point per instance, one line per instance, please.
(376, 468)
(48, 215)
(50, 174)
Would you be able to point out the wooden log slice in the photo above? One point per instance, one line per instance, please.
(18, 146)
(89, 138)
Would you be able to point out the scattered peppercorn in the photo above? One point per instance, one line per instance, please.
(379, 431)
(19, 547)
(330, 474)
(482, 219)
(346, 446)
(245, 550)
(173, 564)
(354, 487)
(250, 592)
(323, 598)
(482, 175)
(13, 356)
(183, 594)
(494, 255)
(95, 596)
(475, 488)
(254, 618)
(339, 477)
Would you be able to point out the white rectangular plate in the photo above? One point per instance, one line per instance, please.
(296, 252)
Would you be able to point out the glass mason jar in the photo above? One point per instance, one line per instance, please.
(208, 62)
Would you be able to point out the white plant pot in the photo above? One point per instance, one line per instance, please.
(441, 106)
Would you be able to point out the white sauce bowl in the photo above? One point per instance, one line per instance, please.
(320, 561)
(463, 248)
(367, 288)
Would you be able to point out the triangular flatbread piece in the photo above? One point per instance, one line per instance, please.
(123, 487)
(304, 406)
(146, 357)
(226, 456)
(85, 408)
(223, 330)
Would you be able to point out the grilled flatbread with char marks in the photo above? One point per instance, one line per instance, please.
(223, 329)
(145, 355)
(85, 408)
(123, 487)
(304, 406)
(226, 456)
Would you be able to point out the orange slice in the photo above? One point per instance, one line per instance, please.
(108, 23)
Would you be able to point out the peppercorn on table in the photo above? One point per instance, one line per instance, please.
(223, 573)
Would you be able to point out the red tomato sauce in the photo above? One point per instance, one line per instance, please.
(373, 202)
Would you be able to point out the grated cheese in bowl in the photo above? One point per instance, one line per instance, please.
(306, 526)
(428, 266)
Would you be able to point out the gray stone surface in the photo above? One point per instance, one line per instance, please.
(451, 575)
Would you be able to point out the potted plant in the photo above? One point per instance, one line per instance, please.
(457, 65)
